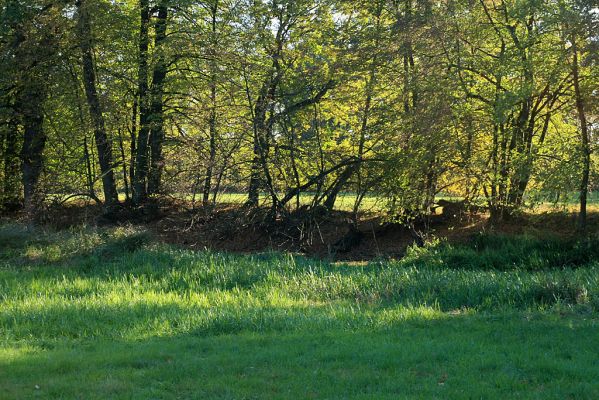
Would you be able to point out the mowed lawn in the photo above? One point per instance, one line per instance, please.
(110, 314)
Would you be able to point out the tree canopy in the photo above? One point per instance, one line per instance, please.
(494, 101)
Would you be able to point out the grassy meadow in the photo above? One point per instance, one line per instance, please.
(110, 314)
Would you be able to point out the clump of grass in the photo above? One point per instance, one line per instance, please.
(503, 253)
(26, 246)
(121, 241)
(13, 236)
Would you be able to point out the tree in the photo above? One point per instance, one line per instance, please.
(103, 143)
(140, 189)
(301, 100)
(156, 111)
(30, 46)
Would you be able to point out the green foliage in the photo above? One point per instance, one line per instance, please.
(471, 98)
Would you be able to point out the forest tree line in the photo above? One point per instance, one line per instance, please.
(123, 102)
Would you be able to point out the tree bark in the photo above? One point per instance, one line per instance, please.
(260, 147)
(124, 166)
(104, 146)
(88, 168)
(157, 104)
(10, 192)
(584, 139)
(141, 158)
(212, 117)
(34, 142)
(332, 194)
(133, 143)
(212, 157)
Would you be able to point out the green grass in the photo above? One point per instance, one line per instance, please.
(99, 314)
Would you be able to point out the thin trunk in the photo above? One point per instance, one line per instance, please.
(31, 94)
(406, 83)
(293, 156)
(584, 139)
(263, 104)
(10, 192)
(355, 168)
(219, 180)
(493, 199)
(521, 143)
(133, 140)
(363, 131)
(34, 142)
(254, 187)
(140, 190)
(333, 192)
(211, 160)
(264, 134)
(212, 118)
(88, 167)
(254, 183)
(124, 165)
(260, 148)
(157, 104)
(527, 169)
(524, 129)
(89, 79)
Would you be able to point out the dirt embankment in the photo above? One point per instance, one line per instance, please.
(331, 235)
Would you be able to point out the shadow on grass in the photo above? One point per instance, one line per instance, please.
(102, 314)
(459, 357)
(500, 252)
(107, 315)
(34, 246)
(167, 290)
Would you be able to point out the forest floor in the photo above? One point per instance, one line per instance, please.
(115, 313)
(232, 228)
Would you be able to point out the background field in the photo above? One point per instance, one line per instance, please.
(376, 204)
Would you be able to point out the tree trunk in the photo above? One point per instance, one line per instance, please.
(211, 160)
(133, 143)
(212, 118)
(103, 144)
(584, 139)
(124, 165)
(88, 168)
(141, 158)
(254, 187)
(10, 191)
(262, 131)
(34, 142)
(332, 194)
(522, 142)
(356, 168)
(260, 147)
(157, 104)
(260, 172)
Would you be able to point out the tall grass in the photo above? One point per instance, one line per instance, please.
(118, 283)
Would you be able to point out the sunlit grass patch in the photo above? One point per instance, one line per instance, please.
(99, 313)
